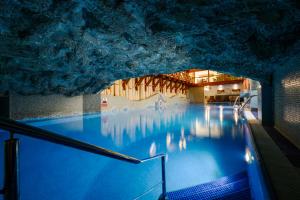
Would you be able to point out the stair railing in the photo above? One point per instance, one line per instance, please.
(240, 109)
(238, 98)
(11, 157)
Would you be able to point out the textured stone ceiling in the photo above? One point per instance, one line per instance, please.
(73, 47)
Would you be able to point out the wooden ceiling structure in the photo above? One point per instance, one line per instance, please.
(183, 80)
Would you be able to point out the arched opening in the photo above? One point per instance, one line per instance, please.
(189, 86)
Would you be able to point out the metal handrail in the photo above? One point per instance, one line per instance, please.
(31, 131)
(23, 129)
(236, 99)
(248, 100)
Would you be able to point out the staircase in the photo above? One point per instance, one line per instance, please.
(235, 187)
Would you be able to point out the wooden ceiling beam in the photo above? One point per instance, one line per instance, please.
(175, 85)
(138, 82)
(149, 81)
(178, 86)
(154, 84)
(124, 83)
(169, 85)
(164, 82)
(172, 86)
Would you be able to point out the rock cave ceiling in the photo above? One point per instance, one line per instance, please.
(77, 47)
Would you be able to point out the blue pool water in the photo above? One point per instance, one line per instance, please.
(202, 143)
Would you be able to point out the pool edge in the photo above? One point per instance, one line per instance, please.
(282, 180)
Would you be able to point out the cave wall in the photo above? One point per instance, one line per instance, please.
(81, 47)
(287, 100)
(22, 107)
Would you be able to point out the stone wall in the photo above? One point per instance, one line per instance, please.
(287, 100)
(51, 105)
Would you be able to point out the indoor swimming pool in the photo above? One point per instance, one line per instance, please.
(202, 143)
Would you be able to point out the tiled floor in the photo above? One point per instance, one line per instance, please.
(227, 188)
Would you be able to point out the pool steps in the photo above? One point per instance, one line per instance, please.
(235, 187)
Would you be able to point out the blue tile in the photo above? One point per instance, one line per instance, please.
(227, 188)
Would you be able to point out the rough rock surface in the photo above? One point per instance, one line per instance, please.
(81, 46)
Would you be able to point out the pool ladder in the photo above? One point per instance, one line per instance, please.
(11, 189)
(240, 108)
(237, 102)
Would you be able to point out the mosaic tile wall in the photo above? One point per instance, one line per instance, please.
(52, 105)
(287, 101)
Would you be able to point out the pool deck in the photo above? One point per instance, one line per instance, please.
(283, 175)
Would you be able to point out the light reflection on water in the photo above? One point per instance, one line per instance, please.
(137, 123)
(134, 126)
(207, 140)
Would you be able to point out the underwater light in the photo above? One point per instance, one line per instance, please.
(248, 156)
